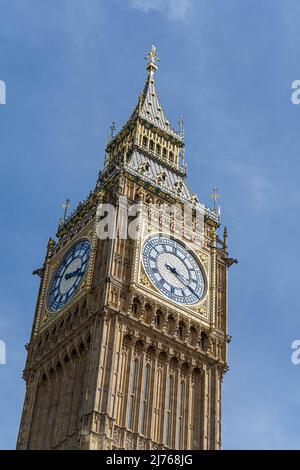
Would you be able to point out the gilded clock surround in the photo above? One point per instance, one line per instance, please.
(87, 365)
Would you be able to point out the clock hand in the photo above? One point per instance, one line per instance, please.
(185, 282)
(173, 270)
(182, 278)
(75, 273)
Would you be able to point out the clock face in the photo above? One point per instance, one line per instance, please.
(174, 270)
(69, 275)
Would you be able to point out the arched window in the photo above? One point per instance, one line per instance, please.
(195, 404)
(157, 405)
(169, 409)
(145, 141)
(164, 152)
(203, 341)
(180, 412)
(132, 393)
(158, 149)
(171, 325)
(136, 305)
(148, 313)
(171, 157)
(193, 336)
(158, 319)
(145, 398)
(181, 330)
(115, 384)
(151, 145)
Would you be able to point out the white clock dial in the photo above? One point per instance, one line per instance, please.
(174, 270)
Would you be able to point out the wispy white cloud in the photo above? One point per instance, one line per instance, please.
(290, 12)
(173, 9)
(261, 189)
(239, 147)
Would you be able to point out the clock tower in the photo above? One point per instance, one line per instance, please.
(129, 341)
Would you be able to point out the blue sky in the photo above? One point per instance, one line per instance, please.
(73, 66)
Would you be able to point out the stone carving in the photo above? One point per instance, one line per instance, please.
(116, 438)
(129, 442)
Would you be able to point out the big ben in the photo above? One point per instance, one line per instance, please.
(130, 334)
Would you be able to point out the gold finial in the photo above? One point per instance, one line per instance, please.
(51, 243)
(215, 196)
(152, 56)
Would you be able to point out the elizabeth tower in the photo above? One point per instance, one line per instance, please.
(129, 340)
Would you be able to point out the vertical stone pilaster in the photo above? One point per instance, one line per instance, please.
(205, 398)
(28, 408)
(188, 414)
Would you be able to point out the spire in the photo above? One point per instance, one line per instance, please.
(149, 107)
(151, 114)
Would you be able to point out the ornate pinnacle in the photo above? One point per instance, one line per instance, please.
(215, 195)
(152, 56)
(112, 130)
(225, 238)
(181, 126)
(51, 243)
(66, 205)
